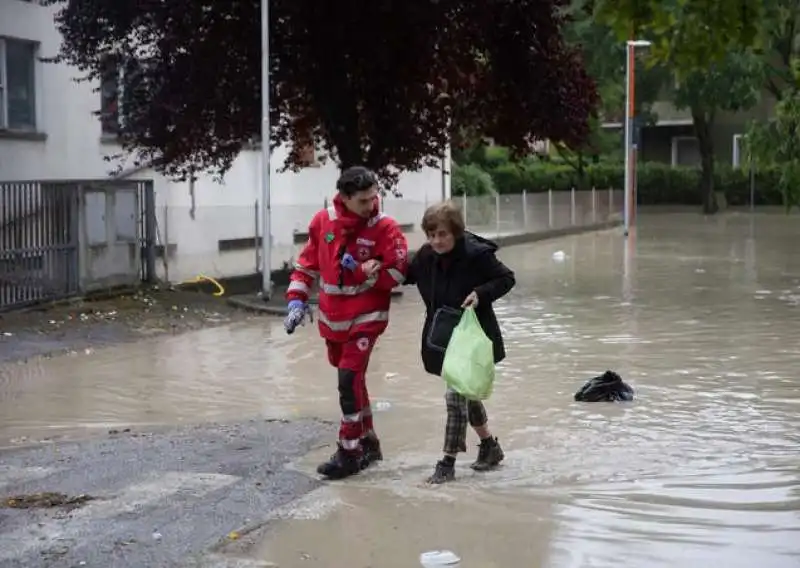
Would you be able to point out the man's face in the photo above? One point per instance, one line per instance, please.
(362, 202)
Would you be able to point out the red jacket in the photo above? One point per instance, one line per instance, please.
(360, 305)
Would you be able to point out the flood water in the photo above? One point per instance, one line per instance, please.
(701, 316)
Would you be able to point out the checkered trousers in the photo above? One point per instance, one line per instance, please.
(461, 413)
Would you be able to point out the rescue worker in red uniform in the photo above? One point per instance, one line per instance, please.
(358, 255)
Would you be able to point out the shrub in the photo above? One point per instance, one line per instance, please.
(658, 184)
(471, 180)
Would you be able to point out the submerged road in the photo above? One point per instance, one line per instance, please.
(698, 314)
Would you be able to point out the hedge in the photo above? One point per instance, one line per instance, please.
(658, 184)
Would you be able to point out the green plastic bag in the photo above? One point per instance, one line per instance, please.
(468, 365)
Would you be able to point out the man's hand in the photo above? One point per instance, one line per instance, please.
(370, 267)
(296, 316)
(471, 301)
(349, 262)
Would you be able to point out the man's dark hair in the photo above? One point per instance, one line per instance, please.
(355, 179)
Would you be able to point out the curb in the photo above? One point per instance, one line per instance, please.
(510, 240)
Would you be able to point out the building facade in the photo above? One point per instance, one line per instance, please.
(672, 139)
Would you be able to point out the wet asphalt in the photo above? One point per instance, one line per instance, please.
(160, 499)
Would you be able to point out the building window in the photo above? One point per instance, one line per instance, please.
(109, 96)
(685, 151)
(736, 159)
(17, 84)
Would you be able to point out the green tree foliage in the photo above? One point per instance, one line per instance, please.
(731, 84)
(708, 47)
(369, 82)
(687, 35)
(777, 142)
(781, 26)
(605, 58)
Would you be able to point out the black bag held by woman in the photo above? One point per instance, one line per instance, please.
(443, 323)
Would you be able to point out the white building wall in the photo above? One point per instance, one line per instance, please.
(193, 218)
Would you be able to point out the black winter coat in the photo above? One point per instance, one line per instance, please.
(447, 280)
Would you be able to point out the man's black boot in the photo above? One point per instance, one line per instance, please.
(371, 451)
(342, 464)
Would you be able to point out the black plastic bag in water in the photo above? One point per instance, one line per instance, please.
(608, 387)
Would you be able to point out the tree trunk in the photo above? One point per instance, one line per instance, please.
(703, 122)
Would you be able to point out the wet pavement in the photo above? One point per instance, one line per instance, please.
(81, 324)
(153, 499)
(700, 315)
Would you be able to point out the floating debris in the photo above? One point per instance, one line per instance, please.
(46, 500)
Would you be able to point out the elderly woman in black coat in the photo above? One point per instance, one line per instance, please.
(454, 270)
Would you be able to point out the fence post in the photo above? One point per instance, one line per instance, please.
(525, 209)
(497, 214)
(256, 242)
(150, 232)
(572, 212)
(166, 243)
(610, 202)
(549, 208)
(594, 206)
(464, 209)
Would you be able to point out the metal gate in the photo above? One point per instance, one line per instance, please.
(41, 228)
(38, 242)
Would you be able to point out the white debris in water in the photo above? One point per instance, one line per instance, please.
(436, 558)
(559, 256)
(382, 406)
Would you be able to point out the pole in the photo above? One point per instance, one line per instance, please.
(752, 176)
(629, 79)
(444, 179)
(266, 229)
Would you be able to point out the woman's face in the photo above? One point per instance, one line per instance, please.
(441, 240)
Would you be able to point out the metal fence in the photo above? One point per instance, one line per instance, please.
(533, 212)
(41, 228)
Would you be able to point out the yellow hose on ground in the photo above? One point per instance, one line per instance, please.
(203, 278)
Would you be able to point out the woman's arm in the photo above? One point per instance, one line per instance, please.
(498, 279)
(412, 272)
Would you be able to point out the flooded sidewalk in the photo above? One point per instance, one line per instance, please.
(698, 314)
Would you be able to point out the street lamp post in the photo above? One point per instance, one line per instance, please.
(630, 148)
(266, 229)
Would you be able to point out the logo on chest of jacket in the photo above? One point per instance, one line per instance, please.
(365, 242)
(363, 253)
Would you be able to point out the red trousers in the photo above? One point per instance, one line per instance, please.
(351, 359)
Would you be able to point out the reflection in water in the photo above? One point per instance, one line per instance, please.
(699, 315)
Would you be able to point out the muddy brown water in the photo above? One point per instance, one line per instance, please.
(701, 316)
